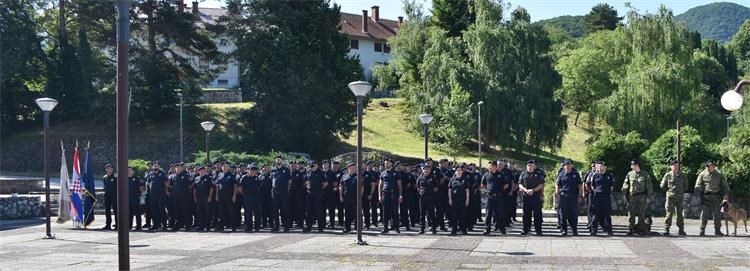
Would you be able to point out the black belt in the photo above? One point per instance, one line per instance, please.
(711, 194)
(568, 194)
(638, 194)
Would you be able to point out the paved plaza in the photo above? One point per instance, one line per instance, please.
(22, 248)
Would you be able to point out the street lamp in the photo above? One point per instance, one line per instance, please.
(425, 119)
(360, 90)
(182, 142)
(122, 111)
(46, 105)
(207, 126)
(479, 132)
(732, 100)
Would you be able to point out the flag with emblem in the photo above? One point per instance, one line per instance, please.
(88, 188)
(76, 194)
(63, 213)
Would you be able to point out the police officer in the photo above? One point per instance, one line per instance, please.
(513, 197)
(226, 188)
(147, 197)
(427, 186)
(405, 177)
(531, 184)
(110, 197)
(458, 199)
(297, 193)
(329, 197)
(711, 188)
(203, 195)
(369, 186)
(265, 196)
(250, 190)
(637, 190)
(587, 193)
(412, 197)
(390, 196)
(348, 195)
(494, 183)
(674, 183)
(158, 196)
(281, 180)
(136, 188)
(338, 173)
(180, 195)
(444, 173)
(601, 198)
(315, 181)
(568, 186)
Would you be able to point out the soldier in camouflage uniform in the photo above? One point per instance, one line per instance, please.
(674, 183)
(710, 188)
(637, 189)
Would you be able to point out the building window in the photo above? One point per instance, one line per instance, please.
(378, 47)
(386, 48)
(223, 82)
(222, 66)
(203, 64)
(223, 42)
(354, 44)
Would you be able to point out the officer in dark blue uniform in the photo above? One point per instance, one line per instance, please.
(601, 185)
(181, 198)
(226, 187)
(265, 196)
(531, 184)
(427, 185)
(134, 198)
(281, 180)
(368, 194)
(110, 197)
(250, 190)
(513, 197)
(214, 206)
(338, 173)
(568, 186)
(494, 183)
(390, 196)
(203, 195)
(158, 196)
(458, 199)
(588, 194)
(475, 197)
(412, 196)
(406, 184)
(442, 209)
(315, 181)
(329, 198)
(146, 213)
(348, 195)
(297, 194)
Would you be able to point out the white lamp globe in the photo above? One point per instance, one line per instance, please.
(425, 118)
(46, 104)
(207, 125)
(731, 100)
(360, 88)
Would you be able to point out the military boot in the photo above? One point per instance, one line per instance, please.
(682, 232)
(717, 232)
(702, 233)
(666, 232)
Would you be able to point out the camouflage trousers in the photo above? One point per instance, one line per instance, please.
(637, 208)
(710, 208)
(673, 207)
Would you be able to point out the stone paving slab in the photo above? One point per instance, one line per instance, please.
(716, 249)
(81, 261)
(549, 247)
(280, 264)
(195, 241)
(379, 245)
(551, 267)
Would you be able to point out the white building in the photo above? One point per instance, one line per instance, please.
(367, 36)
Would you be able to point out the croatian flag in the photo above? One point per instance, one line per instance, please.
(76, 195)
(88, 186)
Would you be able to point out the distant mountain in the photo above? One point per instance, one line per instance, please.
(718, 21)
(574, 25)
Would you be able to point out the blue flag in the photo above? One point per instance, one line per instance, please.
(88, 184)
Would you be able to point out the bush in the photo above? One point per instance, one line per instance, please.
(617, 150)
(243, 157)
(139, 166)
(694, 152)
(736, 161)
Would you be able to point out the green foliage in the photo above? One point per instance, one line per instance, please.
(601, 17)
(694, 152)
(616, 150)
(573, 25)
(293, 57)
(716, 21)
(247, 158)
(740, 45)
(139, 166)
(736, 164)
(453, 16)
(549, 188)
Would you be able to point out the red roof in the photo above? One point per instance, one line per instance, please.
(351, 24)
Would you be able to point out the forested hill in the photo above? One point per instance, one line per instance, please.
(718, 21)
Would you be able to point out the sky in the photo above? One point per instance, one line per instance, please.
(539, 9)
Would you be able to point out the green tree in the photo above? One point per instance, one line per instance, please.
(617, 150)
(736, 164)
(740, 45)
(453, 16)
(694, 153)
(294, 59)
(602, 17)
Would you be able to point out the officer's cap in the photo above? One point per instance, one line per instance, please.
(253, 167)
(155, 162)
(387, 160)
(414, 169)
(225, 163)
(472, 165)
(635, 162)
(324, 162)
(148, 163)
(443, 160)
(567, 161)
(594, 162)
(108, 166)
(369, 162)
(312, 162)
(602, 162)
(462, 165)
(233, 167)
(179, 164)
(201, 168)
(492, 162)
(709, 163)
(242, 165)
(336, 162)
(674, 161)
(129, 167)
(397, 163)
(351, 165)
(428, 159)
(278, 157)
(532, 162)
(426, 166)
(292, 162)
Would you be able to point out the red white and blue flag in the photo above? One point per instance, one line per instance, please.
(76, 194)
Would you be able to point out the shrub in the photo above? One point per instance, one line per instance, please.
(617, 150)
(243, 157)
(694, 152)
(139, 166)
(736, 161)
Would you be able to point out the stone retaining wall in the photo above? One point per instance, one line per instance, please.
(20, 207)
(221, 96)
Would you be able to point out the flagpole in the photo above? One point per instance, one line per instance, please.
(123, 38)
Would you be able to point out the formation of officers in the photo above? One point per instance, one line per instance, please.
(323, 196)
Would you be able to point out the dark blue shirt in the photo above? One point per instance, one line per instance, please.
(280, 179)
(157, 180)
(298, 182)
(367, 179)
(265, 185)
(494, 182)
(202, 186)
(110, 184)
(225, 184)
(315, 180)
(181, 183)
(426, 185)
(250, 186)
(568, 182)
(135, 189)
(349, 184)
(458, 186)
(602, 183)
(390, 180)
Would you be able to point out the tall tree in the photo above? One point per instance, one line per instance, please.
(293, 57)
(602, 17)
(740, 45)
(453, 16)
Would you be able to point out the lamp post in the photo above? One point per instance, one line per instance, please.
(732, 100)
(360, 90)
(123, 213)
(182, 142)
(46, 105)
(425, 119)
(479, 132)
(207, 126)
